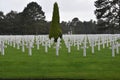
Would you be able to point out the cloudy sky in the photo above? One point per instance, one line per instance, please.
(83, 9)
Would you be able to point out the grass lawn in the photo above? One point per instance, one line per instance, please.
(100, 65)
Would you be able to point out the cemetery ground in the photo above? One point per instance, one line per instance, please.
(41, 65)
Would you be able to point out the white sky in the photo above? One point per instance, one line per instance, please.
(69, 9)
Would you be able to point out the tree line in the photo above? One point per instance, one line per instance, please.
(31, 21)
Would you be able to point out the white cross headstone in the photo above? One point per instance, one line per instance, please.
(2, 48)
(38, 44)
(98, 44)
(107, 42)
(84, 46)
(78, 45)
(117, 48)
(23, 46)
(57, 46)
(69, 46)
(18, 45)
(92, 45)
(113, 49)
(103, 42)
(46, 46)
(10, 42)
(30, 46)
(49, 44)
(14, 44)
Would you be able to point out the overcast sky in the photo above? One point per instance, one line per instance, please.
(83, 9)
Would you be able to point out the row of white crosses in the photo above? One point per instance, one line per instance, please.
(27, 41)
(76, 40)
(81, 41)
(44, 41)
(2, 46)
(115, 44)
(17, 41)
(94, 40)
(110, 40)
(73, 40)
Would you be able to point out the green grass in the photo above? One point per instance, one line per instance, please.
(100, 65)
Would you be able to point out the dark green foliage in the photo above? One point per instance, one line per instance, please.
(65, 27)
(108, 11)
(33, 12)
(33, 18)
(30, 21)
(2, 21)
(1, 15)
(11, 21)
(55, 30)
(78, 27)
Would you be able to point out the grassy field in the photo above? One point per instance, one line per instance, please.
(41, 65)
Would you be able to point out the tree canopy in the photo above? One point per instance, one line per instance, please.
(55, 29)
(109, 12)
(33, 12)
(31, 21)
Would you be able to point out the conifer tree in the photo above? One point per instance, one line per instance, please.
(55, 29)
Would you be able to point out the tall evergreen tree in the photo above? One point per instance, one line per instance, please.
(55, 29)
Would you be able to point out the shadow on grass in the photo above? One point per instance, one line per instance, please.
(43, 79)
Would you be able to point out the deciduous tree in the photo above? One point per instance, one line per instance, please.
(109, 12)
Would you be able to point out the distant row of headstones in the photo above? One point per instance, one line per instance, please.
(80, 41)
(87, 41)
